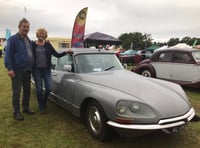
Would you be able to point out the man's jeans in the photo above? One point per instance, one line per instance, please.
(42, 76)
(21, 79)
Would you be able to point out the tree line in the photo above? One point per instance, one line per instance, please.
(139, 41)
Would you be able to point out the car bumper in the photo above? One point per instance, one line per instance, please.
(162, 124)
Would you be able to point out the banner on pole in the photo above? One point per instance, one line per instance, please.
(79, 29)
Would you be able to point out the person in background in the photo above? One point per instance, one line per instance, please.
(42, 51)
(19, 61)
(1, 50)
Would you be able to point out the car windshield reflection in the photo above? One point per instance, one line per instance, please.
(87, 63)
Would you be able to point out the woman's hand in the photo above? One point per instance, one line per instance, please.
(69, 51)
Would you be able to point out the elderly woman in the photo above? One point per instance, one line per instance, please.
(42, 51)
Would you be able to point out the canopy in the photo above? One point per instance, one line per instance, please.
(152, 48)
(161, 48)
(100, 38)
(181, 45)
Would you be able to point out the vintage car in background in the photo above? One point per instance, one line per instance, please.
(130, 57)
(145, 54)
(93, 85)
(178, 65)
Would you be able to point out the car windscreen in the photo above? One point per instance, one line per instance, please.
(196, 56)
(87, 63)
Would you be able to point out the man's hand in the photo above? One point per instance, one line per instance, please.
(11, 73)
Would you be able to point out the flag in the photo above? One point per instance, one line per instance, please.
(79, 29)
(8, 33)
(194, 43)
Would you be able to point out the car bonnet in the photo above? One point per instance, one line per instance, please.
(162, 98)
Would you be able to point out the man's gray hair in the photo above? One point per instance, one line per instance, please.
(23, 20)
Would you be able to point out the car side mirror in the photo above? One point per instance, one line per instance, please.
(67, 68)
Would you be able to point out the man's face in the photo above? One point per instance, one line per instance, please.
(24, 29)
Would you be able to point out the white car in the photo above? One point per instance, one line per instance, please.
(177, 65)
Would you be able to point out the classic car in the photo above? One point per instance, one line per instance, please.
(94, 86)
(174, 64)
(130, 57)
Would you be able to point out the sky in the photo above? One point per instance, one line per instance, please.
(163, 19)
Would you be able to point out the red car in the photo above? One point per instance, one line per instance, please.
(130, 57)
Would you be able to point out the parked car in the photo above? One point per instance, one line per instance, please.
(178, 65)
(130, 57)
(145, 54)
(93, 85)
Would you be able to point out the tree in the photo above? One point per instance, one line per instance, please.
(187, 40)
(173, 41)
(136, 40)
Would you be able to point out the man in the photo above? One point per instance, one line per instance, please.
(19, 62)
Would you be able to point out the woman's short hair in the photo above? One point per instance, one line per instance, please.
(41, 30)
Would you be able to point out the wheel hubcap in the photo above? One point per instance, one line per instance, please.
(146, 73)
(95, 120)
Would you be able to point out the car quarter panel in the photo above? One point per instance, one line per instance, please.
(185, 72)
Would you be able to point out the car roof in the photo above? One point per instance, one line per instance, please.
(179, 49)
(88, 50)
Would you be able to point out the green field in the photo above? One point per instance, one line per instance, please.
(59, 129)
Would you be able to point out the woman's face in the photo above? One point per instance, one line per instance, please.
(41, 36)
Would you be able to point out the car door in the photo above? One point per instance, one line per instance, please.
(183, 68)
(63, 81)
(162, 65)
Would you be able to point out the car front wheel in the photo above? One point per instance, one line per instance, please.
(96, 121)
(146, 73)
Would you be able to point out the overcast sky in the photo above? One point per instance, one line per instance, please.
(162, 19)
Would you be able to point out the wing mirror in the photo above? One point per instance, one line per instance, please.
(67, 68)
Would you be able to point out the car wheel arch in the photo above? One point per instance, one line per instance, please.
(147, 67)
(95, 119)
(84, 105)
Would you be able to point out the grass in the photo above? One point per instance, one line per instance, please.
(58, 128)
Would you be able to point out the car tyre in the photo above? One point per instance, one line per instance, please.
(96, 121)
(146, 73)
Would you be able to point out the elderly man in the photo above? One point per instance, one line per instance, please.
(19, 62)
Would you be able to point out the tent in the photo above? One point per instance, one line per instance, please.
(161, 48)
(152, 48)
(197, 46)
(181, 45)
(98, 38)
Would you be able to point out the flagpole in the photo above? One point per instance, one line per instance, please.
(25, 11)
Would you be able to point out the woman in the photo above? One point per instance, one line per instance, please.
(42, 51)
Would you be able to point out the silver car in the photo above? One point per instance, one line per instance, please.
(93, 85)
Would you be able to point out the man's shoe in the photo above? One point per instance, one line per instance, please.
(18, 117)
(28, 111)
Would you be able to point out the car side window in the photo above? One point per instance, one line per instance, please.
(165, 57)
(65, 60)
(53, 62)
(181, 57)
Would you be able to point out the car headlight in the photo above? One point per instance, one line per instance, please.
(132, 109)
(121, 107)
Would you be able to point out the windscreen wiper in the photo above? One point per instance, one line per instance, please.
(111, 67)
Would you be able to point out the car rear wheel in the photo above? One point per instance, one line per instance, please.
(96, 121)
(146, 73)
